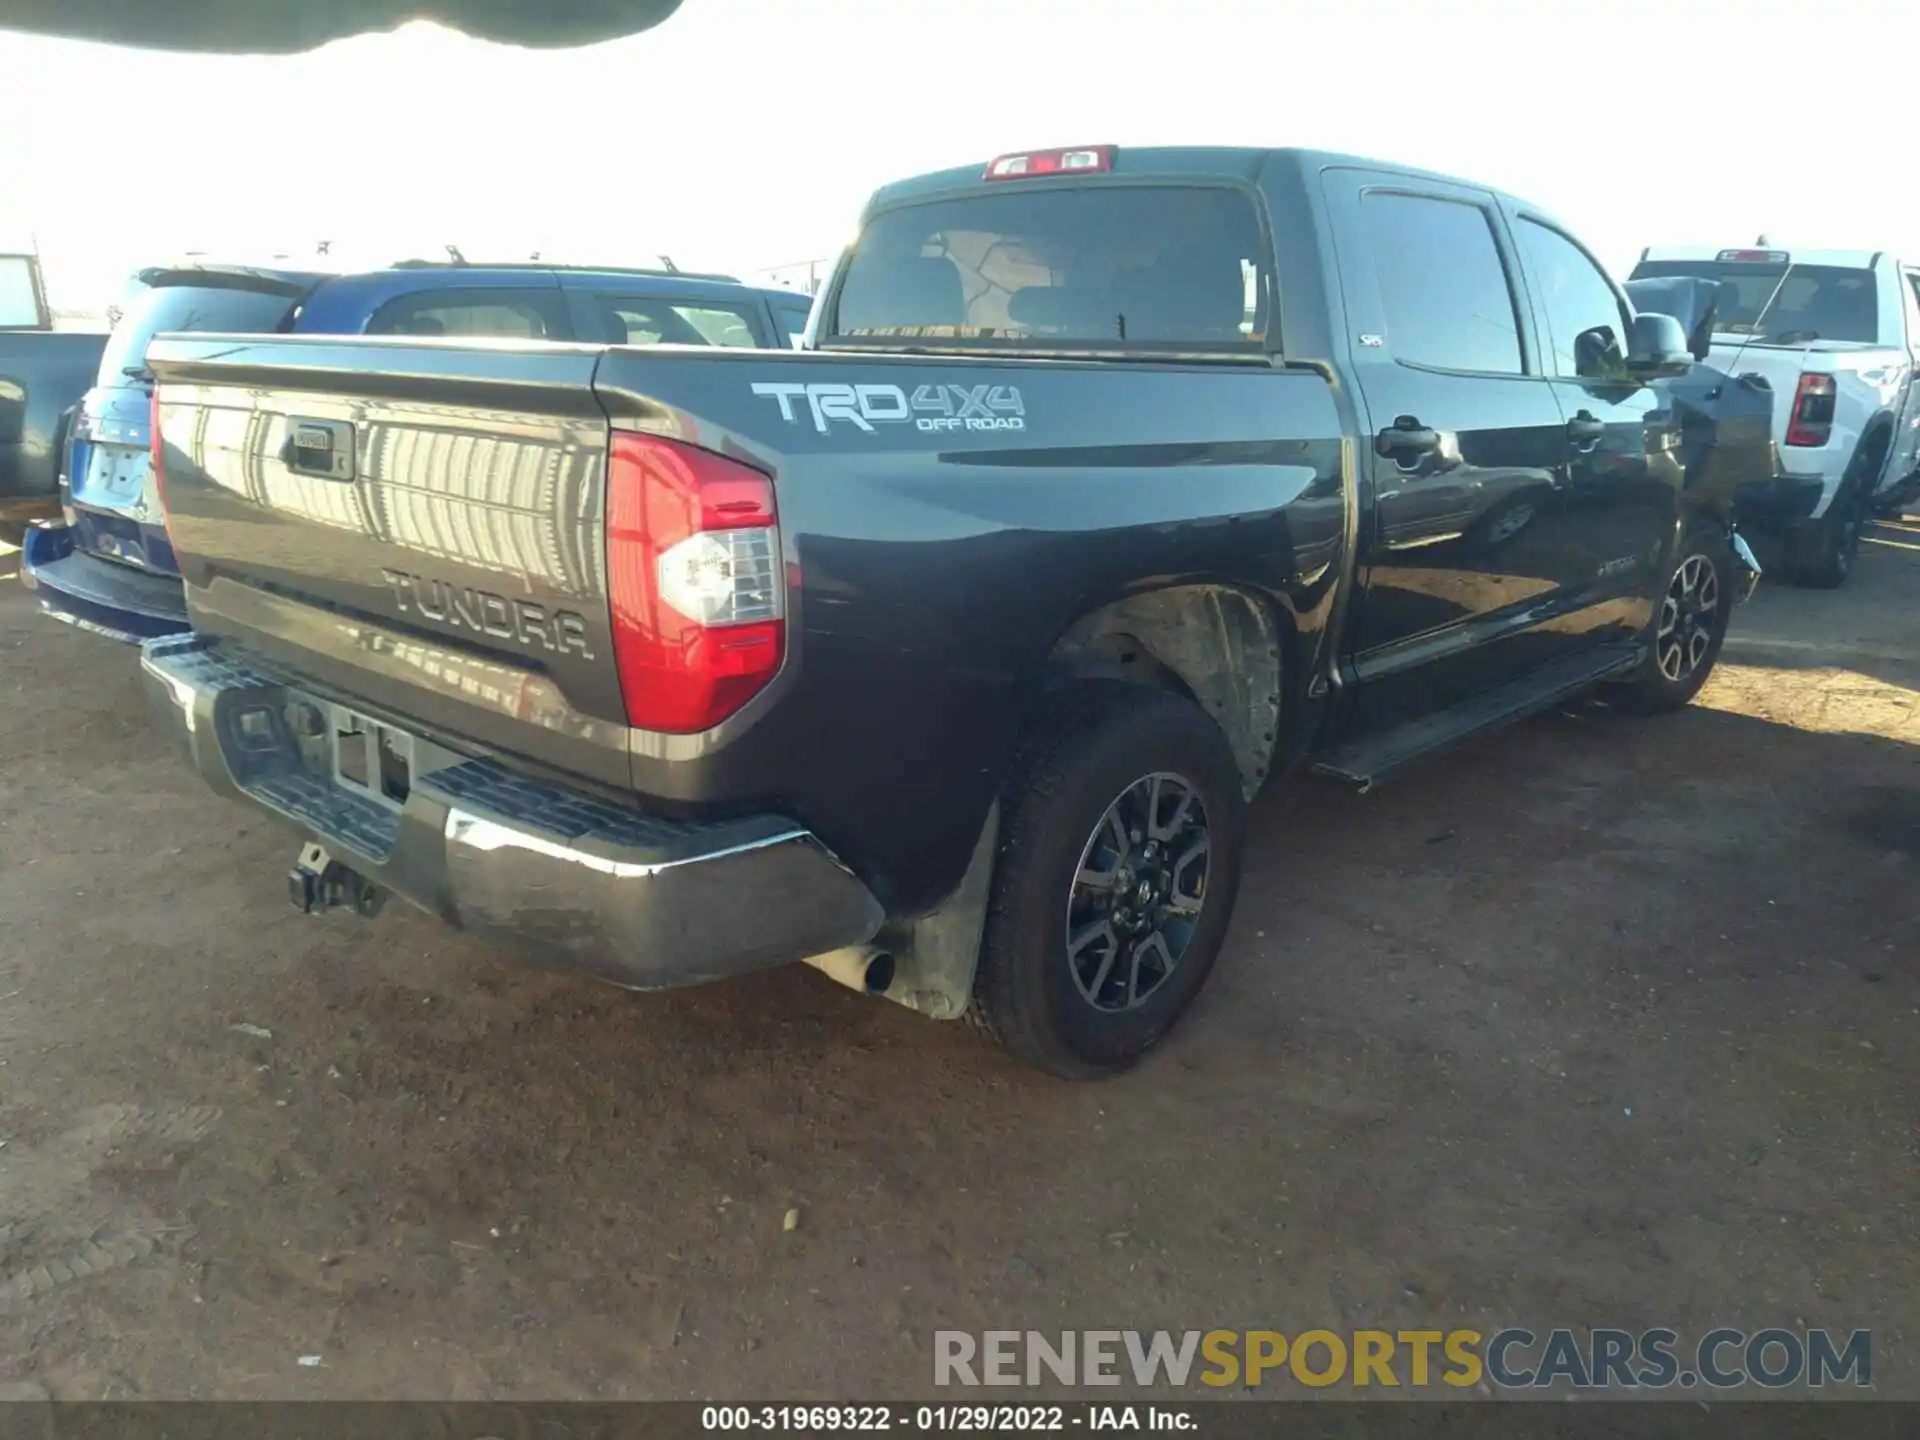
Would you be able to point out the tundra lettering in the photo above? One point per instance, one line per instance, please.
(561, 631)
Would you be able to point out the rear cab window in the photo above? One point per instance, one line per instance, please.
(1082, 266)
(205, 304)
(1782, 303)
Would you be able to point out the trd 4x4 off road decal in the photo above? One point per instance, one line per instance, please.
(931, 407)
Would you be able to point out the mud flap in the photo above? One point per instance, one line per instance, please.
(935, 955)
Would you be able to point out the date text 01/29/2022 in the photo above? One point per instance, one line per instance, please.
(976, 1419)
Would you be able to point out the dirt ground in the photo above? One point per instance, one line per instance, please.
(1601, 1021)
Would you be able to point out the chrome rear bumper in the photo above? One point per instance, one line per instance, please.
(637, 899)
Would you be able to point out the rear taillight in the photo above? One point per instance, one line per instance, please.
(157, 450)
(697, 582)
(1811, 420)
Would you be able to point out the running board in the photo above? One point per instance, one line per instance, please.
(1367, 762)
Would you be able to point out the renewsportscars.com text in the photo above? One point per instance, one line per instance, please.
(1510, 1359)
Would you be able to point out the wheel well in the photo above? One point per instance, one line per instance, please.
(1217, 645)
(1879, 431)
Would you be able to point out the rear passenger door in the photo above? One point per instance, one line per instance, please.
(1466, 449)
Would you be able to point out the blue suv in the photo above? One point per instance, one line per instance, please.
(109, 567)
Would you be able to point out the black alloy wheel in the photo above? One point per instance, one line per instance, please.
(1138, 892)
(1689, 618)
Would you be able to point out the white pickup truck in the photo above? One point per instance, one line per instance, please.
(1836, 333)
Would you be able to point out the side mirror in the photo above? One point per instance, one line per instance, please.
(1691, 300)
(1657, 346)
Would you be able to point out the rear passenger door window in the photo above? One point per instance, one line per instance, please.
(1443, 287)
(655, 320)
(492, 314)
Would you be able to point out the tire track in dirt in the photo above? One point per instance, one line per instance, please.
(59, 1226)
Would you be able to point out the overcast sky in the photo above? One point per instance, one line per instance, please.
(745, 133)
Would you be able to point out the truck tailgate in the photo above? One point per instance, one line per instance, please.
(419, 528)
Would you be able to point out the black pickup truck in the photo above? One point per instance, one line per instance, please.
(946, 652)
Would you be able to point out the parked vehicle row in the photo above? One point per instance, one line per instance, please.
(947, 651)
(110, 567)
(1833, 338)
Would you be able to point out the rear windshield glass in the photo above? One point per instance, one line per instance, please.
(187, 307)
(1785, 304)
(1099, 265)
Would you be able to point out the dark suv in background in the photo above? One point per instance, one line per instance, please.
(110, 567)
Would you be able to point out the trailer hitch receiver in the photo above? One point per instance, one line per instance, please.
(318, 882)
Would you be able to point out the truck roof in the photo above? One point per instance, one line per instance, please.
(1243, 162)
(1840, 259)
(404, 277)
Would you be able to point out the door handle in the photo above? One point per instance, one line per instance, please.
(1406, 437)
(1585, 431)
(320, 448)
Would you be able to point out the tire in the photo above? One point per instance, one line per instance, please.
(1057, 1000)
(1820, 554)
(1688, 628)
(1503, 522)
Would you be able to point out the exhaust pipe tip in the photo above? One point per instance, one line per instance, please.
(865, 968)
